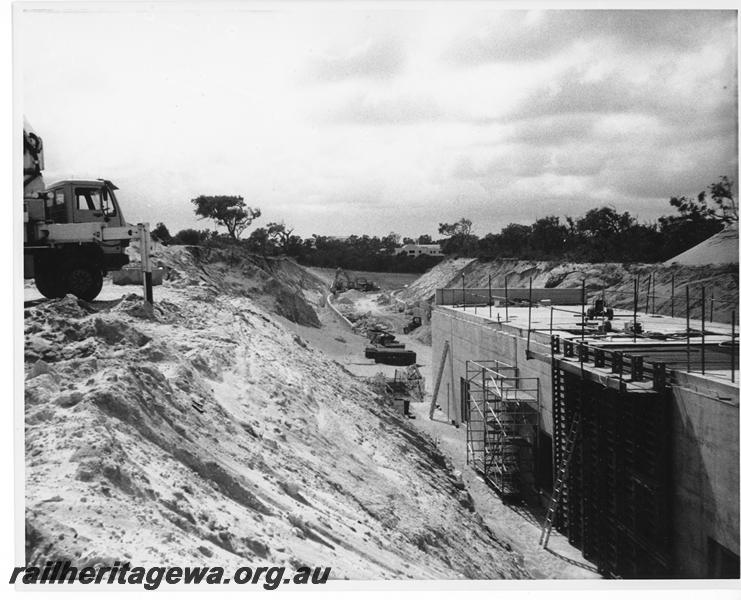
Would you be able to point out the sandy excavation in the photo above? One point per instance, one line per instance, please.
(205, 431)
(614, 279)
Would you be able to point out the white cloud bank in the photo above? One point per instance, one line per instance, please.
(348, 121)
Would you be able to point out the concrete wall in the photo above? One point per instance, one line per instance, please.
(475, 338)
(705, 430)
(562, 296)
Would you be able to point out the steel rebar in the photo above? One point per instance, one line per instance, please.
(583, 306)
(635, 308)
(689, 365)
(529, 312)
(490, 296)
(702, 333)
(463, 276)
(506, 300)
(648, 293)
(733, 346)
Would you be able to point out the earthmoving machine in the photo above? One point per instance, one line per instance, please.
(385, 339)
(415, 323)
(342, 281)
(74, 230)
(599, 309)
(346, 280)
(362, 284)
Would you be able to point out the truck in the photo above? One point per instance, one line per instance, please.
(74, 231)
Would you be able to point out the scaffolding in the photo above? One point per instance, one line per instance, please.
(502, 425)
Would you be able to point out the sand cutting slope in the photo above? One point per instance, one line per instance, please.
(616, 279)
(205, 432)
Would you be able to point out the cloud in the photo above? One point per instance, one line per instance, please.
(385, 109)
(551, 129)
(520, 36)
(376, 58)
(415, 116)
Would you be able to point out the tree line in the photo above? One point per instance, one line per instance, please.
(600, 235)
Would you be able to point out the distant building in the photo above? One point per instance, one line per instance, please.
(420, 250)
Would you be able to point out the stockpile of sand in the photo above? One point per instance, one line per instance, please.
(202, 431)
(278, 285)
(722, 248)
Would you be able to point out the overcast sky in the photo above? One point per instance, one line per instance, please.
(342, 121)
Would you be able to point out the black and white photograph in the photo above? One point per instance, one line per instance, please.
(315, 295)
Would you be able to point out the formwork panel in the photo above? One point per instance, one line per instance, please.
(616, 501)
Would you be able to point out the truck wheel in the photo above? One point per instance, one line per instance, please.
(49, 281)
(85, 281)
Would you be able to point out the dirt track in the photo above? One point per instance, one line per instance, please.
(519, 525)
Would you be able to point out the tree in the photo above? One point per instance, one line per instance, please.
(228, 211)
(461, 227)
(425, 239)
(697, 220)
(391, 241)
(260, 241)
(161, 234)
(462, 241)
(722, 195)
(279, 234)
(604, 222)
(515, 238)
(190, 237)
(548, 236)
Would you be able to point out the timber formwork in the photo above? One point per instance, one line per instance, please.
(502, 426)
(615, 505)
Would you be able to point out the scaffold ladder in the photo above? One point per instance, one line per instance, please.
(563, 471)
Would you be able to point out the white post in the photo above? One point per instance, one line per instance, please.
(145, 242)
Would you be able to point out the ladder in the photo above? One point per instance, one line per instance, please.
(563, 471)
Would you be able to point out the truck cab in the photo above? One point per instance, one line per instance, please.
(83, 201)
(74, 233)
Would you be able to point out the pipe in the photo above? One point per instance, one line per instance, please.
(712, 302)
(551, 321)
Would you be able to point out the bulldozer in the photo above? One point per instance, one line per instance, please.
(74, 230)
